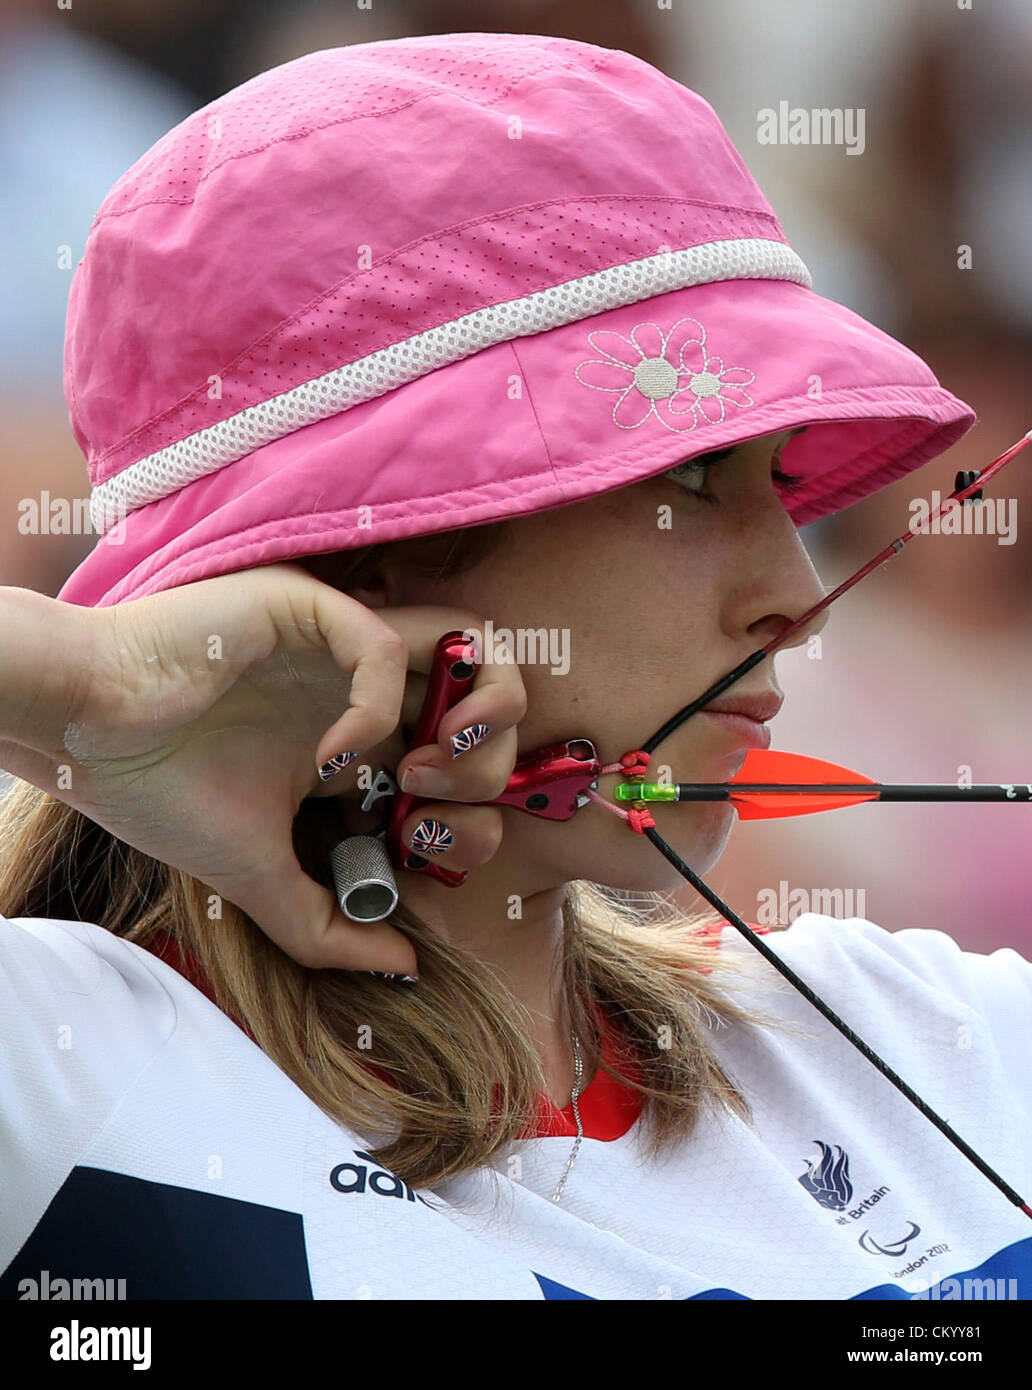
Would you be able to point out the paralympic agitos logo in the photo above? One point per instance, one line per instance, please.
(827, 1181)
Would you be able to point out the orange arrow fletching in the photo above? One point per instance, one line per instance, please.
(768, 765)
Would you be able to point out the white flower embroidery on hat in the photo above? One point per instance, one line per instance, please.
(671, 376)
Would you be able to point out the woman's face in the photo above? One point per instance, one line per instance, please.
(649, 594)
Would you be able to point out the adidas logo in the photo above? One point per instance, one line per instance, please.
(357, 1177)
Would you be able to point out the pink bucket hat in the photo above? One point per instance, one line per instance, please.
(410, 286)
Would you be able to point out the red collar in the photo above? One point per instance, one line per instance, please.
(608, 1108)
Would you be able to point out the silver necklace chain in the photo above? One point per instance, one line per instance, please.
(579, 1067)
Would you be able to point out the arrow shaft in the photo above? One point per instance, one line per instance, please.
(880, 791)
(867, 791)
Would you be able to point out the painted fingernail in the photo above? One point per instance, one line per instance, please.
(385, 975)
(466, 739)
(432, 837)
(335, 765)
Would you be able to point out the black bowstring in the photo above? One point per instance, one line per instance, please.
(804, 989)
(728, 913)
(716, 689)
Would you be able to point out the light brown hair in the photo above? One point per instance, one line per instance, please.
(451, 1073)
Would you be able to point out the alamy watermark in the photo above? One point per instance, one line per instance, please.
(981, 1289)
(47, 515)
(46, 1288)
(824, 125)
(781, 906)
(82, 1342)
(995, 516)
(521, 646)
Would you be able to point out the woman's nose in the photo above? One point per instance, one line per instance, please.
(793, 587)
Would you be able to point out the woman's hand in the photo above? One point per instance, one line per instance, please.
(192, 724)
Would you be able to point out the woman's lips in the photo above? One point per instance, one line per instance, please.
(747, 731)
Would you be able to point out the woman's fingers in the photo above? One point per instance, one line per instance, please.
(305, 921)
(480, 775)
(480, 755)
(476, 747)
(393, 642)
(378, 674)
(457, 837)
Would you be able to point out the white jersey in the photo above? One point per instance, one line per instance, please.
(145, 1138)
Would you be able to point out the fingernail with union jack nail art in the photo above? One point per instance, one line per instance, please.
(432, 837)
(335, 765)
(466, 739)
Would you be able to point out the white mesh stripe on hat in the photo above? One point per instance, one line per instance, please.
(207, 450)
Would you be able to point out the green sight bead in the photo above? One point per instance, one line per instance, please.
(645, 791)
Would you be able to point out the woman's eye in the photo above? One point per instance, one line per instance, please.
(691, 477)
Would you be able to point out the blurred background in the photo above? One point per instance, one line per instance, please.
(927, 666)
